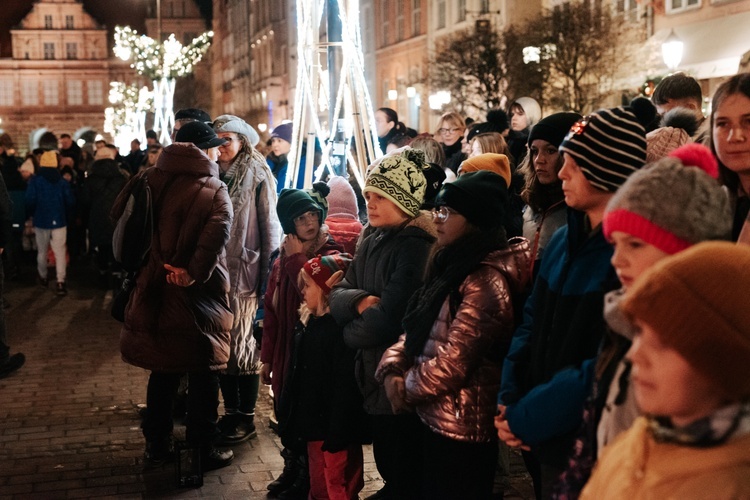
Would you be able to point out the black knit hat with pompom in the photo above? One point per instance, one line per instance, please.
(610, 144)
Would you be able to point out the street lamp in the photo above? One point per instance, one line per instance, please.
(671, 50)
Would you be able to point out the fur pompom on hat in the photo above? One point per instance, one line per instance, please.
(610, 144)
(293, 203)
(322, 268)
(492, 162)
(482, 197)
(673, 203)
(399, 178)
(342, 201)
(676, 129)
(319, 193)
(693, 302)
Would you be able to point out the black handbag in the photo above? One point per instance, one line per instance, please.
(121, 298)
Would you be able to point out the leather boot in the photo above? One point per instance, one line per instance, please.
(300, 488)
(236, 428)
(158, 453)
(288, 475)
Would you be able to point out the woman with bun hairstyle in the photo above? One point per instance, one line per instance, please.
(545, 210)
(730, 142)
(458, 328)
(387, 126)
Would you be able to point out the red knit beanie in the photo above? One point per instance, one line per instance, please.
(321, 268)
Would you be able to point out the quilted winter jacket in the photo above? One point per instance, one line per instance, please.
(389, 264)
(454, 382)
(182, 329)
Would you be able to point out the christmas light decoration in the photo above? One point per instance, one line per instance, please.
(125, 120)
(162, 63)
(314, 95)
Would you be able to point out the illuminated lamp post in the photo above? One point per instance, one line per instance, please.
(671, 51)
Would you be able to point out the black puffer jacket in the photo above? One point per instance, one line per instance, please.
(170, 328)
(104, 182)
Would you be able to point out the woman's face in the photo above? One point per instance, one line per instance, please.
(476, 148)
(518, 119)
(450, 225)
(731, 133)
(665, 384)
(632, 257)
(382, 125)
(450, 133)
(382, 212)
(228, 151)
(546, 160)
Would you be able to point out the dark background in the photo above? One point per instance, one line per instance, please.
(107, 12)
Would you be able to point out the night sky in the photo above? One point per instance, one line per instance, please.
(107, 12)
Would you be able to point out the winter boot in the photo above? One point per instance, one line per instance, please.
(300, 488)
(288, 475)
(158, 453)
(236, 428)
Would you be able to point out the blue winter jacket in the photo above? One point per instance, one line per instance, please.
(49, 198)
(548, 371)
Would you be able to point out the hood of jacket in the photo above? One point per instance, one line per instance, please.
(185, 159)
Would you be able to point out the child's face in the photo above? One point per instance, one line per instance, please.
(632, 257)
(665, 384)
(382, 212)
(311, 295)
(307, 225)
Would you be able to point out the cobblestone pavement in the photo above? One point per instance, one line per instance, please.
(69, 426)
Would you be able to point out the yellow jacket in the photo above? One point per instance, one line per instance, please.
(635, 466)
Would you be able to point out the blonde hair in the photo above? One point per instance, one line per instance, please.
(492, 142)
(304, 280)
(433, 151)
(453, 118)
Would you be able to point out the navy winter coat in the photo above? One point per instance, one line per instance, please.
(49, 198)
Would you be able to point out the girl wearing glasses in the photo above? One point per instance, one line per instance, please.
(450, 131)
(458, 327)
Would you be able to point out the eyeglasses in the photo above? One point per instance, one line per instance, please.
(305, 218)
(444, 131)
(441, 214)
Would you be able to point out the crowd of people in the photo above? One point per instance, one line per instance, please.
(562, 286)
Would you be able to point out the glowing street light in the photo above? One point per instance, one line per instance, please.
(671, 50)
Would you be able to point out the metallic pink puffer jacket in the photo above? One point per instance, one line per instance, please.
(453, 384)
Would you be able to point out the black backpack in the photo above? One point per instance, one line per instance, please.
(131, 240)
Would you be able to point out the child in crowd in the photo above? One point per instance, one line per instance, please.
(691, 379)
(321, 405)
(370, 304)
(301, 220)
(343, 214)
(645, 227)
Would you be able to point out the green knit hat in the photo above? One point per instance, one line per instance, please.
(293, 203)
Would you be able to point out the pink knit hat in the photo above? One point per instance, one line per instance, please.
(342, 202)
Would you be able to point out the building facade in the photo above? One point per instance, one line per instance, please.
(58, 76)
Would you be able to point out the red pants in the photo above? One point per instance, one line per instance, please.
(335, 476)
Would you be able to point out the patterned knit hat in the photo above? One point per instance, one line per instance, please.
(492, 162)
(610, 144)
(342, 202)
(399, 178)
(673, 203)
(293, 203)
(321, 268)
(693, 303)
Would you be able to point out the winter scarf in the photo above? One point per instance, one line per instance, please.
(707, 432)
(235, 176)
(448, 269)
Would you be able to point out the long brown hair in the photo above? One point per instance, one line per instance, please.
(536, 195)
(738, 84)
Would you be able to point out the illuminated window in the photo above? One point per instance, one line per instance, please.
(30, 93)
(75, 92)
(50, 89)
(95, 91)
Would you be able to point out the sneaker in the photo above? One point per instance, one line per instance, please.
(43, 282)
(213, 458)
(61, 290)
(12, 364)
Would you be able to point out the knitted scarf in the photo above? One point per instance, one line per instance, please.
(448, 268)
(234, 178)
(709, 431)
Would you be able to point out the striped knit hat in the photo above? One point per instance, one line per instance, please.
(610, 144)
(400, 179)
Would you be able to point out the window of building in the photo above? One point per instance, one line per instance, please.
(30, 93)
(49, 50)
(6, 93)
(51, 97)
(484, 6)
(95, 91)
(461, 12)
(71, 50)
(75, 92)
(384, 25)
(441, 14)
(399, 20)
(675, 6)
(628, 9)
(69, 23)
(416, 17)
(48, 22)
